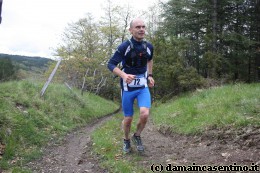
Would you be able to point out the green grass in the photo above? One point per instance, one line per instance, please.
(228, 106)
(233, 106)
(28, 121)
(108, 142)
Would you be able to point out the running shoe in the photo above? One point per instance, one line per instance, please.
(127, 146)
(138, 142)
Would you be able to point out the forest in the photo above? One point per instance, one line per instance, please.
(198, 44)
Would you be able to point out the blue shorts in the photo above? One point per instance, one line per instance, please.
(143, 97)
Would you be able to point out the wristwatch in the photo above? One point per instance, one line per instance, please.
(150, 75)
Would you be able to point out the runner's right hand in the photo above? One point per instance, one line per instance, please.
(128, 78)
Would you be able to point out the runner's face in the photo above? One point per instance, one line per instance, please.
(138, 30)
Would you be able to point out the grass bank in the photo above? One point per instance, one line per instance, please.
(28, 122)
(230, 106)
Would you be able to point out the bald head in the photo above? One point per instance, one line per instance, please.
(135, 21)
(137, 29)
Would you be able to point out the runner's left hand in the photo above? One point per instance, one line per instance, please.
(151, 81)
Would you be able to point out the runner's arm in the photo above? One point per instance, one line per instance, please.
(150, 71)
(126, 77)
(150, 67)
(112, 66)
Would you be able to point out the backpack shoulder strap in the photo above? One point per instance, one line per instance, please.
(145, 45)
(131, 44)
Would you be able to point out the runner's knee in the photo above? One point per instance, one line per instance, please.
(144, 113)
(127, 120)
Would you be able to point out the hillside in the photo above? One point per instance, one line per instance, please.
(230, 106)
(29, 122)
(23, 66)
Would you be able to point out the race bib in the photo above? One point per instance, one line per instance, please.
(139, 81)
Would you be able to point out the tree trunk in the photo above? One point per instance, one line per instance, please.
(214, 26)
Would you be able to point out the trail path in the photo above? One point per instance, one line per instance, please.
(73, 155)
(214, 148)
(161, 147)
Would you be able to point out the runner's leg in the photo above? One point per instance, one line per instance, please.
(127, 126)
(128, 110)
(144, 103)
(144, 114)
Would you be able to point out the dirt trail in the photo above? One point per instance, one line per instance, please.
(73, 155)
(214, 148)
(161, 147)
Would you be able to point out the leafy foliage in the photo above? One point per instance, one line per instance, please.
(222, 40)
(87, 47)
(196, 42)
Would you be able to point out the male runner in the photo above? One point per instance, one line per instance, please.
(136, 75)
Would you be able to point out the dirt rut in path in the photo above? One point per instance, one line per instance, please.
(213, 148)
(73, 155)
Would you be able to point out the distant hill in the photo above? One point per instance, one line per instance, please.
(28, 63)
(21, 67)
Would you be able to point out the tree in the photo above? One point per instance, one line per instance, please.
(221, 35)
(81, 38)
(113, 26)
(82, 51)
(87, 45)
(7, 69)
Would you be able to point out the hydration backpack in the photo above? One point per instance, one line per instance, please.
(137, 58)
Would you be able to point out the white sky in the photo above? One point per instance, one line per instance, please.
(34, 27)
